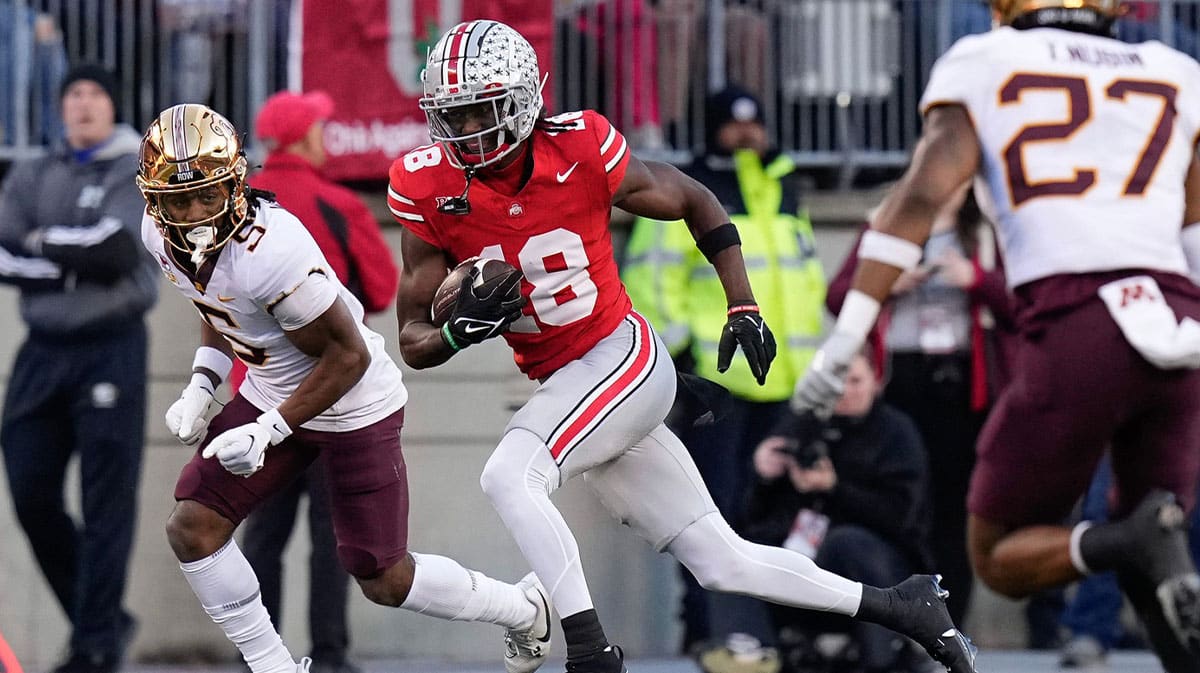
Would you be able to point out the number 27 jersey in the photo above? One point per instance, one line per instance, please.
(555, 230)
(1086, 142)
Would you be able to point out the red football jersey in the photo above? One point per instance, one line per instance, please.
(555, 230)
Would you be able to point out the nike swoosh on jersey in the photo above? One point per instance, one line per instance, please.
(562, 177)
(223, 298)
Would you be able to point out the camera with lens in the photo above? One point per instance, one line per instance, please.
(811, 441)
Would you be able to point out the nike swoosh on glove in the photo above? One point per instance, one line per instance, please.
(821, 386)
(477, 318)
(241, 450)
(746, 328)
(186, 417)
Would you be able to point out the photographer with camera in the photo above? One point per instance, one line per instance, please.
(852, 492)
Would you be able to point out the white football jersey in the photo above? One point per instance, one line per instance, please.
(1086, 142)
(270, 278)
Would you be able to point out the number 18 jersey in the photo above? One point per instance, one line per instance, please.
(1086, 142)
(554, 229)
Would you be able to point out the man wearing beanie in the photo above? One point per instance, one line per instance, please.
(667, 279)
(69, 228)
(291, 125)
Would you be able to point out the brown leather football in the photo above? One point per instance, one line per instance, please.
(491, 273)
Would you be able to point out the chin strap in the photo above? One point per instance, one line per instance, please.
(459, 205)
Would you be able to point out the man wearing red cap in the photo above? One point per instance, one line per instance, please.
(290, 125)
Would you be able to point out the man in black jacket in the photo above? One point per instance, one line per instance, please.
(69, 230)
(852, 492)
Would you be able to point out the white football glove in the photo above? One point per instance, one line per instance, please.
(821, 386)
(186, 418)
(243, 450)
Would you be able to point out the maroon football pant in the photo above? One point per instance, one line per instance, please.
(367, 481)
(1080, 388)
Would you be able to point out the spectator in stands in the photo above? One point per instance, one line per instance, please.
(32, 62)
(683, 55)
(944, 338)
(291, 126)
(852, 493)
(69, 228)
(673, 286)
(625, 37)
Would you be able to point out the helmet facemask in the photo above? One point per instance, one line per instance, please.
(486, 71)
(207, 235)
(190, 152)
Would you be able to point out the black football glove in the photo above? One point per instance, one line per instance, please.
(747, 329)
(476, 318)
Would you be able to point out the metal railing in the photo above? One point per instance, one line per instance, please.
(839, 79)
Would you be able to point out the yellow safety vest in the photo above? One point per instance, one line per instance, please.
(679, 292)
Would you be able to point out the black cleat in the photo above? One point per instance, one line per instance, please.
(1159, 553)
(609, 660)
(919, 612)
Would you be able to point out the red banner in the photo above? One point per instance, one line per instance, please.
(368, 55)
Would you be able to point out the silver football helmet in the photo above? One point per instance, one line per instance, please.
(483, 92)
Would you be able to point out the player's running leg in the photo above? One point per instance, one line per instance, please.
(656, 488)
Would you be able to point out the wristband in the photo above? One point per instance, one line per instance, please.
(274, 423)
(716, 240)
(203, 382)
(858, 314)
(449, 338)
(741, 308)
(213, 360)
(889, 249)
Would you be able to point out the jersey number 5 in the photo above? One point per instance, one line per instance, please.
(1079, 103)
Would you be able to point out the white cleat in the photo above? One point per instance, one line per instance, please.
(303, 664)
(524, 651)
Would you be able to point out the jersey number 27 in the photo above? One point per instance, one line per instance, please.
(1079, 103)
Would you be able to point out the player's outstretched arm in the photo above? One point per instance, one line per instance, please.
(423, 268)
(946, 156)
(662, 192)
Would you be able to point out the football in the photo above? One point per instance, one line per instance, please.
(492, 272)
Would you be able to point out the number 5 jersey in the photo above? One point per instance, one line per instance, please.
(554, 229)
(1086, 142)
(271, 278)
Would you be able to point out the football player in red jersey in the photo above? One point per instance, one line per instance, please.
(537, 193)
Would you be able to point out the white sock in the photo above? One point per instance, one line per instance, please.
(228, 590)
(443, 588)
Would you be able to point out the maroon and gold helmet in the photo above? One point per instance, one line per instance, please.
(186, 148)
(1008, 10)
